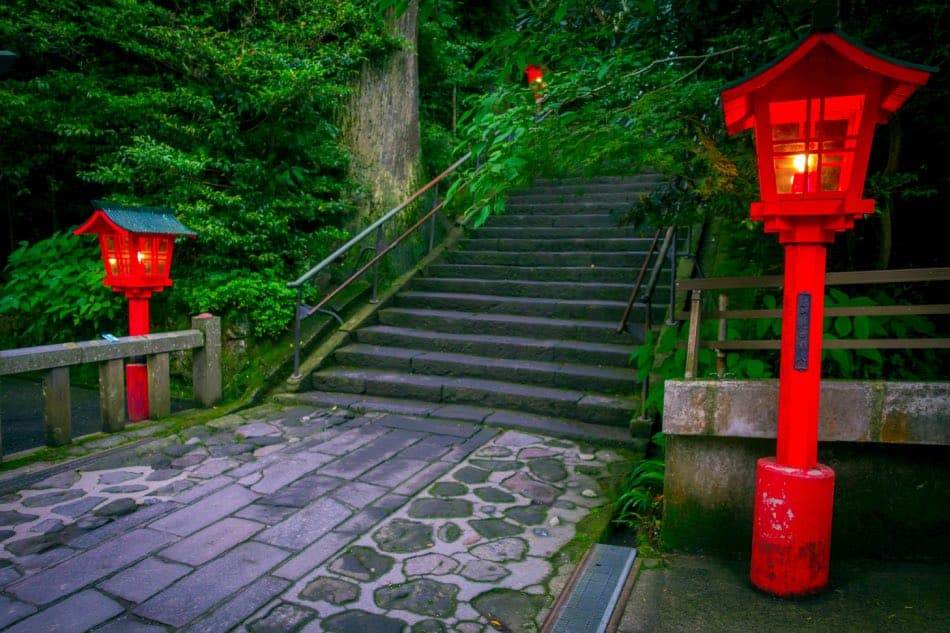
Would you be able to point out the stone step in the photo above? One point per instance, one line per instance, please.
(589, 188)
(565, 403)
(509, 325)
(611, 380)
(644, 178)
(493, 304)
(614, 244)
(560, 232)
(495, 346)
(554, 208)
(535, 273)
(555, 220)
(547, 258)
(451, 414)
(568, 195)
(542, 289)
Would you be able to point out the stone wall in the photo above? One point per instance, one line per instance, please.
(889, 444)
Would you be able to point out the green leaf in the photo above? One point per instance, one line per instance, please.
(842, 326)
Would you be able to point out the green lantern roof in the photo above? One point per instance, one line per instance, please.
(156, 220)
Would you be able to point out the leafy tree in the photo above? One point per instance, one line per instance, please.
(224, 111)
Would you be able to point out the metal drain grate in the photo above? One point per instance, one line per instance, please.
(594, 595)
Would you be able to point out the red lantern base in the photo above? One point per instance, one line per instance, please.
(136, 391)
(791, 530)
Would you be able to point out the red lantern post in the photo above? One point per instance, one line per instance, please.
(813, 111)
(136, 246)
(535, 78)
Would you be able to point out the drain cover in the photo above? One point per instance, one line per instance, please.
(594, 596)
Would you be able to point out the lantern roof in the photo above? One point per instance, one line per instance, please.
(905, 77)
(141, 220)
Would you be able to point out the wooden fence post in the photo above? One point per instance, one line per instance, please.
(112, 395)
(207, 360)
(57, 414)
(159, 387)
(692, 341)
(721, 335)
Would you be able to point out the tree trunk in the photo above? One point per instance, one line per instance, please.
(381, 125)
(893, 164)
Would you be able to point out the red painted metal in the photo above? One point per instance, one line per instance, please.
(136, 374)
(813, 112)
(791, 535)
(137, 265)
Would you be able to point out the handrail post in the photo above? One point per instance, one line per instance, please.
(159, 386)
(380, 244)
(435, 201)
(57, 409)
(645, 379)
(112, 395)
(206, 362)
(671, 319)
(692, 341)
(297, 318)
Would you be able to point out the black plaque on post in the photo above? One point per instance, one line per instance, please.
(802, 321)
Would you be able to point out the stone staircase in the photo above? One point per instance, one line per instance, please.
(517, 324)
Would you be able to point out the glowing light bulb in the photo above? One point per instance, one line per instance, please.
(799, 162)
(140, 256)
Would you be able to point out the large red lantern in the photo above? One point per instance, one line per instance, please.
(136, 246)
(813, 112)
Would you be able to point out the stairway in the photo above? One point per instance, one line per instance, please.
(517, 324)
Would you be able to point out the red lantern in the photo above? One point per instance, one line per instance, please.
(137, 246)
(535, 77)
(813, 112)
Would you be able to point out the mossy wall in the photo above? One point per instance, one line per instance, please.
(891, 501)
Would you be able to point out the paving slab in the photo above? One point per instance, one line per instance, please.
(192, 596)
(385, 517)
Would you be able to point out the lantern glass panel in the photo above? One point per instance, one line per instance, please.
(814, 142)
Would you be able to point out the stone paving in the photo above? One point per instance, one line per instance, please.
(301, 519)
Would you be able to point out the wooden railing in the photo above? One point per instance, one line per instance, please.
(55, 361)
(695, 315)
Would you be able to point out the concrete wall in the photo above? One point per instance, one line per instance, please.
(889, 444)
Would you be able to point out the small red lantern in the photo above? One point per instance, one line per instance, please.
(813, 111)
(137, 246)
(535, 76)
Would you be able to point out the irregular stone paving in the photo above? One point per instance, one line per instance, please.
(300, 519)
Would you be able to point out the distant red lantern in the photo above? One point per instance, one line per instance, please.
(813, 112)
(136, 246)
(535, 77)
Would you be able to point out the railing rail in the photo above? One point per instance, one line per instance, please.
(696, 314)
(381, 248)
(55, 361)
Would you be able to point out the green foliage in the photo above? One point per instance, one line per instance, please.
(640, 504)
(224, 111)
(54, 291)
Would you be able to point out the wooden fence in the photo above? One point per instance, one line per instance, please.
(55, 361)
(695, 315)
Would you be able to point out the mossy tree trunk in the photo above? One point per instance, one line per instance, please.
(381, 125)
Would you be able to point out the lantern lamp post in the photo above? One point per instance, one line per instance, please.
(535, 78)
(813, 112)
(137, 246)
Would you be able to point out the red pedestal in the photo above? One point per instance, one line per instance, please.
(136, 374)
(791, 537)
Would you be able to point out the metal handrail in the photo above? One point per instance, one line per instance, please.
(310, 274)
(301, 311)
(636, 285)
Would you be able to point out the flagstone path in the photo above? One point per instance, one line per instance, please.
(302, 519)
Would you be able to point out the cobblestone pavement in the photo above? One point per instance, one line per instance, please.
(302, 519)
